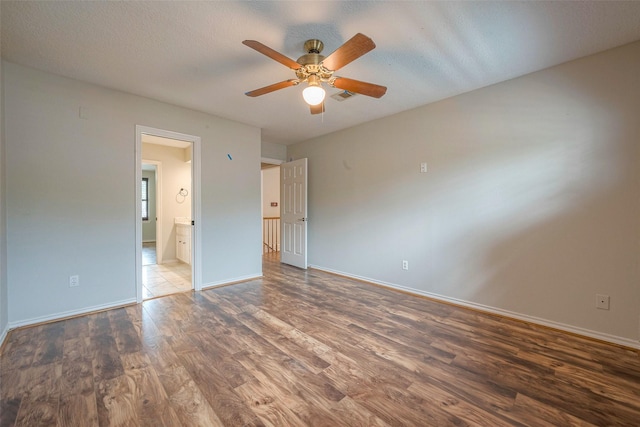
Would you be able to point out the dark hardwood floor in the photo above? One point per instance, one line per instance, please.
(301, 348)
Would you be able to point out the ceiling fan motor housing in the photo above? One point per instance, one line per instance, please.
(311, 62)
(310, 59)
(313, 46)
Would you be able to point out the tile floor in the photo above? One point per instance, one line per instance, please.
(148, 253)
(164, 279)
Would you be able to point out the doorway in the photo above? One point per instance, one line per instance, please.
(270, 202)
(167, 213)
(270, 196)
(284, 236)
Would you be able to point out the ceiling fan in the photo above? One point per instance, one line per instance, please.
(316, 69)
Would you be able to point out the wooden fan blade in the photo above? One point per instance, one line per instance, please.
(276, 56)
(357, 86)
(317, 109)
(273, 87)
(351, 50)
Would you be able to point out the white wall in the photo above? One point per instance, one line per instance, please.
(176, 174)
(530, 205)
(149, 226)
(274, 151)
(70, 168)
(3, 224)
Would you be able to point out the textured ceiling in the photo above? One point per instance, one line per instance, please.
(190, 53)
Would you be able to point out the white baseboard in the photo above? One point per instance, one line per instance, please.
(488, 309)
(70, 313)
(3, 335)
(231, 281)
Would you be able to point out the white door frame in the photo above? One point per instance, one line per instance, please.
(159, 247)
(271, 161)
(196, 213)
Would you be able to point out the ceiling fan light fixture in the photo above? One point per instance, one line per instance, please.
(314, 93)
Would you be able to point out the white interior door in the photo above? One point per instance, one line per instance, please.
(293, 213)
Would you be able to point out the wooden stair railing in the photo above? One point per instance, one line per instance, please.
(270, 234)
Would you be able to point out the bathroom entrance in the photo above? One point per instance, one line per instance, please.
(166, 250)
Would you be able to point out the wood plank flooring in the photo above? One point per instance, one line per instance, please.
(305, 348)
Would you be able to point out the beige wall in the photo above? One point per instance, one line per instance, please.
(70, 197)
(530, 205)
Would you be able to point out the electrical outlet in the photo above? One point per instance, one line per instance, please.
(423, 167)
(602, 302)
(74, 281)
(405, 264)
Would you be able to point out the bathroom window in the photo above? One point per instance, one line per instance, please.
(145, 199)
